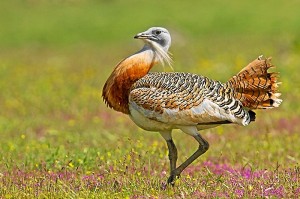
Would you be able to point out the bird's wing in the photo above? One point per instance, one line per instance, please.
(186, 99)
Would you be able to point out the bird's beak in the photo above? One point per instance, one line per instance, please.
(145, 36)
(142, 35)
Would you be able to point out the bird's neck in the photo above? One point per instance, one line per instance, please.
(126, 73)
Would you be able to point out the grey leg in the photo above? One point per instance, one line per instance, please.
(203, 147)
(172, 154)
(172, 149)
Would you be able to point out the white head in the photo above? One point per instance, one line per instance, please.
(159, 39)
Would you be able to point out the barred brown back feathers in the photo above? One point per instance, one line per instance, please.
(255, 87)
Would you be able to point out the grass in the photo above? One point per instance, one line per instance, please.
(59, 140)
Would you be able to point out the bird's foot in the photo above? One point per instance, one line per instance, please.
(172, 179)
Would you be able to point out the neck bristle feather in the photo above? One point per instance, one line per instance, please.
(163, 56)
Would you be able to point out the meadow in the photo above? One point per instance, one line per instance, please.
(59, 140)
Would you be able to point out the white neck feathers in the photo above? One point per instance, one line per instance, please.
(161, 55)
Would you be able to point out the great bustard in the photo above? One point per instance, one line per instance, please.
(163, 101)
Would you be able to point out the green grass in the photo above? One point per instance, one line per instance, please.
(59, 140)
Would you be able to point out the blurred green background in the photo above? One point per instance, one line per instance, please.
(55, 56)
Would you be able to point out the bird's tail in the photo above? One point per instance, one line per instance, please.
(255, 87)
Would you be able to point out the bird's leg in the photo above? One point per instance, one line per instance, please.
(203, 147)
(172, 149)
(172, 154)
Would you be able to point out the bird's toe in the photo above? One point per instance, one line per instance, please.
(172, 179)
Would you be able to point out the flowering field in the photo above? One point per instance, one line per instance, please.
(59, 140)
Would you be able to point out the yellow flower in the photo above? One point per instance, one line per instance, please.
(71, 165)
(250, 187)
(109, 154)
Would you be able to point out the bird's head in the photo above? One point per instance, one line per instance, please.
(159, 39)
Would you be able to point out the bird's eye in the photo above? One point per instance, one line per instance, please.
(157, 32)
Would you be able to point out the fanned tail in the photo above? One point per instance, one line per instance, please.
(255, 87)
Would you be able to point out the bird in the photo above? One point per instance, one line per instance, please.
(164, 101)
